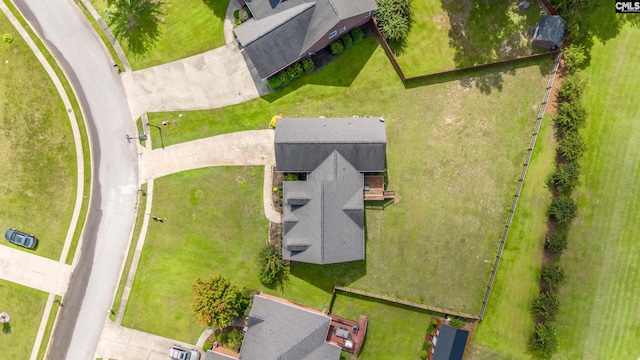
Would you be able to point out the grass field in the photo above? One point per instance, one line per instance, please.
(508, 322)
(189, 27)
(24, 306)
(599, 304)
(458, 34)
(390, 326)
(38, 158)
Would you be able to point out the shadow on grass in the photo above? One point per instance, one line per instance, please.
(326, 276)
(218, 7)
(486, 79)
(341, 72)
(6, 328)
(485, 31)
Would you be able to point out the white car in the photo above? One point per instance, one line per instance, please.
(177, 352)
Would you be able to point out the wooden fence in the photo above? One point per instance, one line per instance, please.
(403, 302)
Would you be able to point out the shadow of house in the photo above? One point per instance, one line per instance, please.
(324, 215)
(281, 33)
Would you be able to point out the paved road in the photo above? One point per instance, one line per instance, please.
(111, 213)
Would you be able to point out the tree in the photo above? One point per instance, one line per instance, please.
(137, 21)
(546, 304)
(542, 342)
(571, 89)
(554, 275)
(272, 271)
(574, 56)
(565, 178)
(572, 147)
(216, 301)
(571, 117)
(394, 18)
(563, 209)
(557, 241)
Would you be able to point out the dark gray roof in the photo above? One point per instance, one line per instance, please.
(302, 144)
(281, 331)
(451, 343)
(329, 227)
(550, 31)
(210, 355)
(283, 31)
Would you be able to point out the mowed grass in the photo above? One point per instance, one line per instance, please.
(392, 328)
(599, 305)
(508, 322)
(189, 27)
(455, 149)
(24, 305)
(446, 35)
(37, 191)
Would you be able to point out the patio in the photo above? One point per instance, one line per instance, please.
(347, 334)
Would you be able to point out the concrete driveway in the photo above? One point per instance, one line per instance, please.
(213, 79)
(33, 271)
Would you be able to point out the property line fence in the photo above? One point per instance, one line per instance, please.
(403, 302)
(514, 203)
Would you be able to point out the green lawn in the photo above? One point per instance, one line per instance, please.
(508, 322)
(36, 143)
(24, 305)
(189, 27)
(392, 328)
(458, 34)
(599, 304)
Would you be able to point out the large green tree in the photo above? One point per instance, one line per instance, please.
(273, 271)
(136, 21)
(216, 301)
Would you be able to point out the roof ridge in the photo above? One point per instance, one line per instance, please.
(307, 335)
(333, 7)
(304, 7)
(322, 222)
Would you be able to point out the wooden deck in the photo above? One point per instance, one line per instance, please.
(347, 334)
(374, 188)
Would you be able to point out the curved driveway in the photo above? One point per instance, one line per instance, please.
(107, 231)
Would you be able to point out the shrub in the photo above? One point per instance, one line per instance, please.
(356, 35)
(275, 82)
(423, 354)
(554, 275)
(308, 65)
(563, 209)
(236, 14)
(571, 89)
(546, 304)
(8, 38)
(207, 346)
(574, 56)
(244, 14)
(290, 177)
(542, 342)
(272, 271)
(565, 178)
(336, 47)
(456, 322)
(297, 69)
(571, 117)
(234, 339)
(347, 41)
(572, 147)
(394, 17)
(557, 241)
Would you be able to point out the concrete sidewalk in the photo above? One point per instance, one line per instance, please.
(33, 271)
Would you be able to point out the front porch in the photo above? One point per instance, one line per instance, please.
(374, 188)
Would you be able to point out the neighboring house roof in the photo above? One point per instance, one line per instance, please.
(302, 144)
(211, 355)
(550, 31)
(283, 31)
(279, 330)
(324, 215)
(450, 344)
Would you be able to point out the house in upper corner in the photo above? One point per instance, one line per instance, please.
(550, 32)
(323, 220)
(282, 32)
(449, 343)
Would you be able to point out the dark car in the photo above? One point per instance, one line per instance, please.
(19, 238)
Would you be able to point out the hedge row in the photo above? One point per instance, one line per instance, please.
(562, 211)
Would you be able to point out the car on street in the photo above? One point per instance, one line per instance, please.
(177, 352)
(19, 238)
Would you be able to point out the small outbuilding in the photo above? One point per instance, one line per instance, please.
(550, 32)
(449, 343)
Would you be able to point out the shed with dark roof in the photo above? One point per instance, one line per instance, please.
(550, 32)
(450, 343)
(302, 144)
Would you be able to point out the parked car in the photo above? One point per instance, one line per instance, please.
(19, 238)
(177, 352)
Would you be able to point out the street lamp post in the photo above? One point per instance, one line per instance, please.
(159, 128)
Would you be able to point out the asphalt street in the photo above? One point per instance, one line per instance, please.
(101, 254)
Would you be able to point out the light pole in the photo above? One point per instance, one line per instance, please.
(159, 128)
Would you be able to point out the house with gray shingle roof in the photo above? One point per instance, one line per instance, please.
(282, 32)
(280, 330)
(323, 216)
